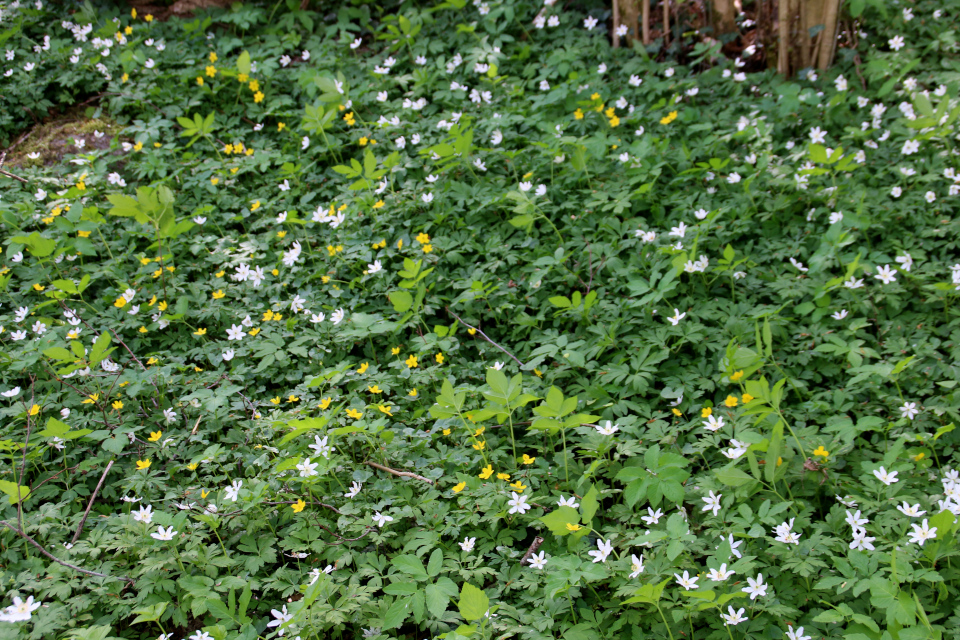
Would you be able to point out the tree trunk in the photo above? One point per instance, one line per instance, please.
(630, 16)
(828, 45)
(723, 17)
(666, 22)
(806, 22)
(616, 24)
(645, 16)
(783, 45)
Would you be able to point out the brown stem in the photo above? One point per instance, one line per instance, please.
(3, 172)
(485, 336)
(405, 474)
(23, 535)
(93, 497)
(532, 549)
(54, 476)
(23, 463)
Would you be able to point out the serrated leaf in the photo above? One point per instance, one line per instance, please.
(435, 564)
(410, 565)
(149, 614)
(473, 603)
(437, 600)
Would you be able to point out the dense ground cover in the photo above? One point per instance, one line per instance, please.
(456, 321)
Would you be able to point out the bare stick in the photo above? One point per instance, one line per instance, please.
(320, 504)
(93, 497)
(341, 538)
(23, 465)
(58, 560)
(20, 140)
(532, 549)
(10, 175)
(405, 474)
(485, 336)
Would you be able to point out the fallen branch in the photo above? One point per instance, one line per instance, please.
(93, 497)
(532, 549)
(36, 544)
(319, 504)
(341, 538)
(404, 474)
(485, 336)
(10, 175)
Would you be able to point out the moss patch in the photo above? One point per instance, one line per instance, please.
(68, 134)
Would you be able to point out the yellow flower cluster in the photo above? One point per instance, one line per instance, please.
(670, 117)
(611, 114)
(237, 149)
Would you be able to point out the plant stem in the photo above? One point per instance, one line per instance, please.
(664, 621)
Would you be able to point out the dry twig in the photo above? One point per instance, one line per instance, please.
(532, 549)
(36, 544)
(93, 497)
(485, 336)
(405, 474)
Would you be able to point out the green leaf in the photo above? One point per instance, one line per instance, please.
(401, 588)
(10, 488)
(243, 63)
(558, 519)
(589, 504)
(397, 613)
(648, 593)
(473, 603)
(36, 244)
(306, 425)
(733, 477)
(58, 353)
(99, 350)
(945, 429)
(410, 565)
(773, 452)
(435, 564)
(55, 429)
(65, 285)
(437, 600)
(149, 614)
(830, 615)
(401, 300)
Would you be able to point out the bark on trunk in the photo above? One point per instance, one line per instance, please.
(630, 17)
(828, 45)
(783, 44)
(723, 17)
(645, 14)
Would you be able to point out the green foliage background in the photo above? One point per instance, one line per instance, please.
(563, 288)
